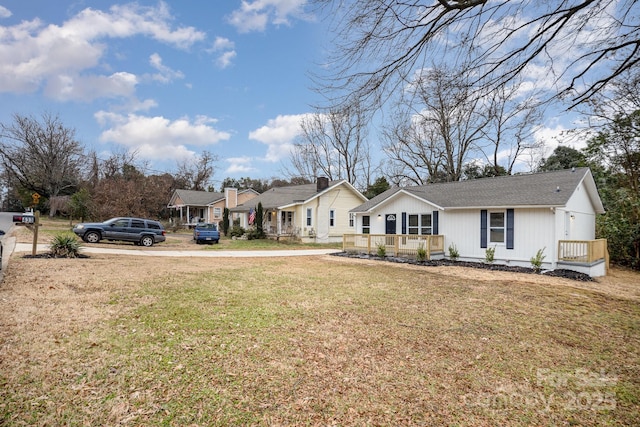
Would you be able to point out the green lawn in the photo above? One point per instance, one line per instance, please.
(314, 342)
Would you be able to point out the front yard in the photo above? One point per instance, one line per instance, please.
(115, 340)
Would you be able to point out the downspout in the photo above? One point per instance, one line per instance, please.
(556, 241)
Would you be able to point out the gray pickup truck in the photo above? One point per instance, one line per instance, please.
(206, 233)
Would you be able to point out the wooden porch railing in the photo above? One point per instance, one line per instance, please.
(394, 244)
(584, 251)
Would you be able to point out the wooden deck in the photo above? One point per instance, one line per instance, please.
(394, 244)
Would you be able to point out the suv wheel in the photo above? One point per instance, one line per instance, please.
(92, 237)
(146, 241)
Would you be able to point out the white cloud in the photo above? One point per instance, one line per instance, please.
(239, 165)
(158, 138)
(222, 43)
(255, 15)
(79, 88)
(128, 20)
(225, 59)
(278, 134)
(35, 54)
(4, 12)
(228, 51)
(166, 74)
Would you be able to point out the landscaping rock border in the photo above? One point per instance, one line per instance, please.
(567, 274)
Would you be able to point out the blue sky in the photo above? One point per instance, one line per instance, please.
(167, 79)
(170, 79)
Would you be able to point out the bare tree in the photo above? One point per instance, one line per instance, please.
(41, 156)
(439, 127)
(333, 144)
(509, 132)
(196, 173)
(415, 157)
(115, 165)
(582, 45)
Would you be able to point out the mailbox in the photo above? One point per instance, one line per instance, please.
(25, 218)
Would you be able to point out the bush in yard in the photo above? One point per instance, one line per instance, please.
(254, 233)
(453, 252)
(421, 254)
(236, 231)
(65, 245)
(382, 250)
(536, 261)
(489, 255)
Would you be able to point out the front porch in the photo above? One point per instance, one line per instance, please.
(280, 224)
(586, 256)
(404, 245)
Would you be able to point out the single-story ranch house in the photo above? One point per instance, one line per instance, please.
(193, 206)
(512, 217)
(311, 212)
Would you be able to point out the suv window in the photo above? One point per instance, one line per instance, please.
(137, 223)
(124, 222)
(153, 225)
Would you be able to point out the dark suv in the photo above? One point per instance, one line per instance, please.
(140, 231)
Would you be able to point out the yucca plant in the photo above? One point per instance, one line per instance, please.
(65, 245)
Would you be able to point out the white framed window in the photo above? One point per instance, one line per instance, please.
(419, 224)
(217, 212)
(366, 224)
(309, 217)
(497, 227)
(332, 218)
(352, 219)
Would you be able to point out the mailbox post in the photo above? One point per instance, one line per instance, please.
(32, 221)
(36, 225)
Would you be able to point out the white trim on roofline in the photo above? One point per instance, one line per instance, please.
(326, 190)
(401, 190)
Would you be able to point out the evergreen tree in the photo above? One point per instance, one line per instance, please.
(225, 221)
(259, 219)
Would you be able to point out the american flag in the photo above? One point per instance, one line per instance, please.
(252, 216)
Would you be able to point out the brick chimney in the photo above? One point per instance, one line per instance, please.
(322, 183)
(230, 197)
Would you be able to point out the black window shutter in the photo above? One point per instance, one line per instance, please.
(510, 215)
(434, 223)
(404, 223)
(483, 228)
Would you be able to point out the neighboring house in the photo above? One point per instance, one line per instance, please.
(193, 206)
(514, 215)
(312, 212)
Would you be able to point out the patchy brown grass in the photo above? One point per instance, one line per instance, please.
(115, 340)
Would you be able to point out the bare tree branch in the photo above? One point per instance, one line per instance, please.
(584, 45)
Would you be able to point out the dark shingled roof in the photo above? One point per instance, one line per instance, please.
(198, 198)
(534, 190)
(282, 196)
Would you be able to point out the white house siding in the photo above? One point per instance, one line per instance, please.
(578, 217)
(341, 200)
(404, 203)
(533, 230)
